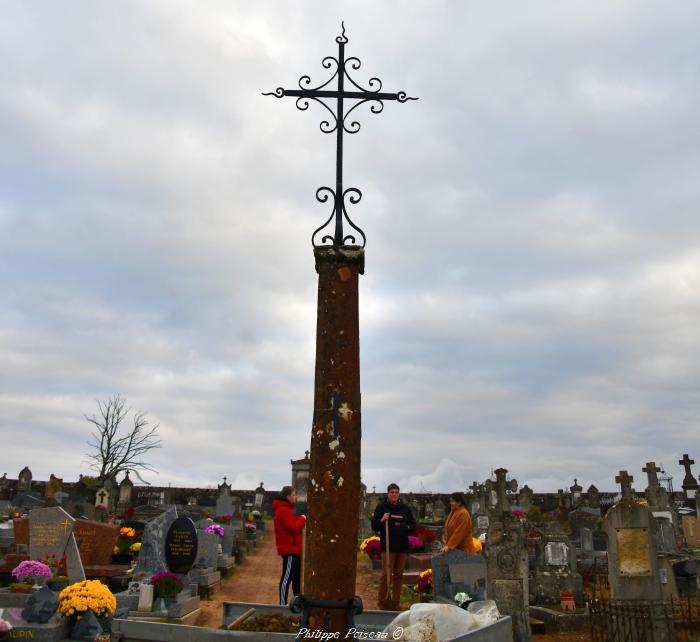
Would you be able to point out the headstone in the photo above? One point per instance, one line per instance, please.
(555, 569)
(456, 571)
(102, 498)
(224, 502)
(586, 535)
(207, 545)
(96, 541)
(633, 564)
(53, 486)
(439, 510)
(51, 532)
(593, 497)
(24, 481)
(525, 497)
(575, 491)
(181, 545)
(300, 481)
(690, 484)
(507, 559)
(152, 554)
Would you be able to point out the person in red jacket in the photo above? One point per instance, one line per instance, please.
(288, 529)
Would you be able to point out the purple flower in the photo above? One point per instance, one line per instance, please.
(214, 529)
(414, 542)
(29, 568)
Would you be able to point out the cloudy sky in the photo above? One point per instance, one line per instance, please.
(532, 276)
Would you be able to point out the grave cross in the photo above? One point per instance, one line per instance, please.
(689, 480)
(651, 469)
(474, 488)
(65, 523)
(501, 486)
(338, 123)
(625, 480)
(102, 496)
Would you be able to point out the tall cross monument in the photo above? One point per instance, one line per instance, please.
(334, 470)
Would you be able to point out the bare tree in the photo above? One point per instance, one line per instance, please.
(117, 454)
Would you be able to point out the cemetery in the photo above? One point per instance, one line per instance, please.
(103, 558)
(598, 564)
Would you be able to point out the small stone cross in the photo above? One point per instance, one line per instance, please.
(625, 480)
(689, 481)
(501, 486)
(651, 469)
(102, 495)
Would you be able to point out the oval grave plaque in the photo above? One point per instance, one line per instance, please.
(181, 545)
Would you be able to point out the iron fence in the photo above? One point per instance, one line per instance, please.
(644, 621)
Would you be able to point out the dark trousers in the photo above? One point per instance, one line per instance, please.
(291, 573)
(398, 561)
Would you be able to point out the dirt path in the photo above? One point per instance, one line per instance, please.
(257, 580)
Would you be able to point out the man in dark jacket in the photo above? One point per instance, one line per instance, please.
(399, 517)
(288, 539)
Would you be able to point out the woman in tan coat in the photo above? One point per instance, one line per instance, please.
(458, 526)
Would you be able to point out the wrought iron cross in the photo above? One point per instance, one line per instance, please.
(339, 124)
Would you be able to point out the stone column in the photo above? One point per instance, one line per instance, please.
(334, 487)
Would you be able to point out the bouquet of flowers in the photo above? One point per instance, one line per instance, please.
(126, 538)
(371, 546)
(31, 569)
(250, 527)
(5, 626)
(224, 519)
(76, 600)
(54, 563)
(425, 534)
(415, 543)
(166, 584)
(215, 529)
(425, 581)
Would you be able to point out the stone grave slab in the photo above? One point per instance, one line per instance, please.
(55, 630)
(96, 541)
(457, 571)
(208, 546)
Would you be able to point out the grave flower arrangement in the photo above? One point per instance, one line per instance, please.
(166, 584)
(125, 540)
(76, 600)
(224, 519)
(31, 571)
(371, 546)
(425, 534)
(5, 626)
(215, 529)
(415, 544)
(250, 527)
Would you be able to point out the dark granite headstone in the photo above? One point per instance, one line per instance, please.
(181, 545)
(152, 554)
(40, 606)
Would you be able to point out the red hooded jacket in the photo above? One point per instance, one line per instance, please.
(288, 528)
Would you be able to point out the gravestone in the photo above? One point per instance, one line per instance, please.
(633, 565)
(575, 491)
(152, 554)
(690, 484)
(96, 542)
(208, 545)
(40, 606)
(457, 571)
(439, 511)
(300, 482)
(181, 543)
(507, 559)
(525, 498)
(51, 531)
(593, 497)
(555, 569)
(224, 502)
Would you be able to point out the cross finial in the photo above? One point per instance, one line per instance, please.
(625, 480)
(651, 469)
(689, 480)
(340, 122)
(501, 486)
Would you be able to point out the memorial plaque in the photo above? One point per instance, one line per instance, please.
(633, 551)
(181, 545)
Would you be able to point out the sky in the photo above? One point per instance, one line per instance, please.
(530, 298)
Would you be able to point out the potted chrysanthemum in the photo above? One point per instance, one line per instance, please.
(31, 572)
(76, 600)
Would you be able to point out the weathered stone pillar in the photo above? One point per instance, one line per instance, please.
(334, 487)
